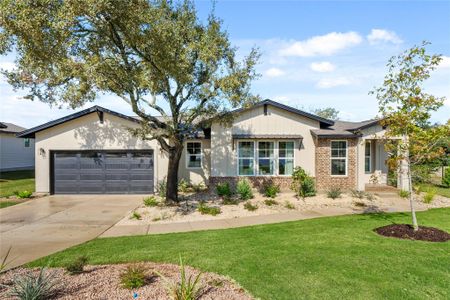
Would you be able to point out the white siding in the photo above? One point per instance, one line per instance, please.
(13, 153)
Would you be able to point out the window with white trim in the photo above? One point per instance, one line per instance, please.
(368, 157)
(285, 158)
(194, 155)
(246, 158)
(266, 158)
(339, 158)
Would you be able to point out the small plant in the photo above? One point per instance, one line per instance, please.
(187, 289)
(417, 189)
(223, 189)
(374, 179)
(334, 193)
(270, 202)
(428, 198)
(183, 186)
(150, 201)
(136, 215)
(303, 184)
(446, 177)
(370, 196)
(77, 266)
(289, 205)
(208, 210)
(244, 189)
(162, 187)
(271, 190)
(359, 204)
(229, 201)
(250, 207)
(198, 187)
(34, 287)
(133, 277)
(403, 193)
(358, 194)
(4, 263)
(23, 194)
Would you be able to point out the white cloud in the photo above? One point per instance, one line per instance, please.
(445, 62)
(322, 67)
(274, 72)
(378, 36)
(6, 65)
(327, 83)
(327, 44)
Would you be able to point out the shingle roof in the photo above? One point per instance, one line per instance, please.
(344, 129)
(10, 127)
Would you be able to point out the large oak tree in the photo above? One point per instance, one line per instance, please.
(155, 55)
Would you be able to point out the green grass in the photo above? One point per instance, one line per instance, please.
(440, 190)
(325, 258)
(13, 181)
(4, 204)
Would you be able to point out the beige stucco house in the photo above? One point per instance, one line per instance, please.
(15, 153)
(92, 151)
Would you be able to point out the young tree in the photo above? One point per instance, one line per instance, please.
(406, 108)
(327, 113)
(155, 55)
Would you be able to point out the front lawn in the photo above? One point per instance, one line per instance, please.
(16, 181)
(4, 204)
(325, 258)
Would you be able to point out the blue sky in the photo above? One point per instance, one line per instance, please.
(315, 54)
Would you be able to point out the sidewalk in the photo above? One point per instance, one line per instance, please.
(128, 230)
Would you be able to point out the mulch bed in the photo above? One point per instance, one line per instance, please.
(406, 231)
(103, 282)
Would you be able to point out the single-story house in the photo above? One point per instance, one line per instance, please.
(92, 151)
(15, 153)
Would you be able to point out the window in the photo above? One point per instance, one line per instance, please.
(367, 157)
(266, 158)
(339, 158)
(27, 142)
(285, 158)
(246, 158)
(194, 155)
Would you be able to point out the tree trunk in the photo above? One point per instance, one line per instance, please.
(172, 174)
(411, 200)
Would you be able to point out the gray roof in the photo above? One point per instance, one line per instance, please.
(342, 129)
(10, 128)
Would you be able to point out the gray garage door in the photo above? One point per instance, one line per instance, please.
(102, 172)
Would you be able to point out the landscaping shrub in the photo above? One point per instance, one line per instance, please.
(23, 194)
(198, 187)
(77, 266)
(249, 206)
(271, 190)
(34, 287)
(162, 187)
(403, 194)
(446, 178)
(417, 189)
(270, 202)
(334, 193)
(244, 189)
(303, 184)
(289, 205)
(136, 215)
(208, 210)
(428, 198)
(150, 201)
(229, 200)
(183, 186)
(358, 194)
(370, 196)
(133, 277)
(187, 289)
(223, 189)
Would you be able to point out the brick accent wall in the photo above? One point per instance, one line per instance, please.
(324, 180)
(258, 182)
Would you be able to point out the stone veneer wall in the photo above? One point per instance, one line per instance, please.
(324, 180)
(258, 182)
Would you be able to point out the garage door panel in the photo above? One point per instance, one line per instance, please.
(101, 172)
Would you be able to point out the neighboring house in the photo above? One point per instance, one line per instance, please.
(92, 151)
(15, 153)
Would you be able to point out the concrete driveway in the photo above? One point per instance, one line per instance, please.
(46, 225)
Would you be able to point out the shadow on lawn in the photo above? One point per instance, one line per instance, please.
(382, 216)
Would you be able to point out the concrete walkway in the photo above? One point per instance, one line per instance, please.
(128, 230)
(43, 226)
